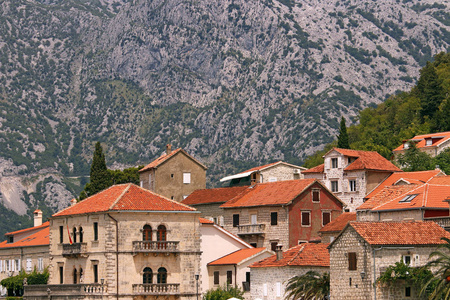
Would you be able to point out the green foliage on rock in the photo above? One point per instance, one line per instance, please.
(223, 293)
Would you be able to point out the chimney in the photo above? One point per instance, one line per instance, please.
(37, 217)
(73, 202)
(279, 251)
(168, 149)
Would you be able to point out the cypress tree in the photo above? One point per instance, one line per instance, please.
(100, 178)
(343, 136)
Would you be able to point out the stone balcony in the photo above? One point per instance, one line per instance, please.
(155, 247)
(158, 289)
(75, 250)
(251, 229)
(64, 291)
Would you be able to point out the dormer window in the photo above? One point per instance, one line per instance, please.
(406, 146)
(408, 198)
(11, 239)
(428, 142)
(334, 163)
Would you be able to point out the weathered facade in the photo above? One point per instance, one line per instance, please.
(174, 175)
(124, 242)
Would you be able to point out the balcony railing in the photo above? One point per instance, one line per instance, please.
(251, 229)
(442, 221)
(75, 249)
(156, 289)
(64, 291)
(155, 246)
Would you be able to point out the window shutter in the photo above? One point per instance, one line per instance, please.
(278, 289)
(265, 289)
(186, 178)
(1, 265)
(19, 266)
(352, 261)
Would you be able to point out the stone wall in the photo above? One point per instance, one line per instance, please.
(279, 172)
(212, 210)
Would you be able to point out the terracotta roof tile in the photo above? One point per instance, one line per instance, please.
(40, 238)
(205, 221)
(272, 193)
(388, 193)
(218, 195)
(236, 257)
(439, 138)
(339, 223)
(367, 160)
(124, 197)
(316, 169)
(303, 255)
(401, 233)
(45, 224)
(411, 177)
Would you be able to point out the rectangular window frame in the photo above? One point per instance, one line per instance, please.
(61, 234)
(229, 277)
(95, 270)
(186, 178)
(407, 259)
(216, 277)
(352, 261)
(40, 263)
(323, 217)
(334, 163)
(274, 218)
(334, 186)
(61, 274)
(235, 220)
(352, 185)
(315, 195)
(305, 218)
(95, 231)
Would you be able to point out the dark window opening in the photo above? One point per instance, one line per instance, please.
(95, 231)
(316, 195)
(74, 276)
(229, 277)
(350, 281)
(334, 163)
(254, 245)
(162, 233)
(352, 261)
(61, 275)
(61, 234)
(334, 187)
(148, 276)
(216, 277)
(273, 218)
(95, 267)
(273, 246)
(326, 218)
(162, 275)
(147, 233)
(235, 220)
(306, 218)
(408, 291)
(11, 239)
(74, 234)
(81, 234)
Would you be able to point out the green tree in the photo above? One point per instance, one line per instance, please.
(439, 284)
(415, 160)
(443, 161)
(311, 285)
(223, 293)
(430, 90)
(343, 136)
(100, 178)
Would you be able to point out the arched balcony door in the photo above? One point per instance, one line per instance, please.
(162, 275)
(81, 234)
(75, 279)
(74, 234)
(161, 236)
(148, 276)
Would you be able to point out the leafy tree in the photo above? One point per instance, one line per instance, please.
(415, 160)
(439, 284)
(443, 161)
(125, 176)
(311, 285)
(223, 293)
(429, 90)
(343, 136)
(14, 284)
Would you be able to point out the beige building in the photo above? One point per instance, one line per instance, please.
(125, 242)
(277, 171)
(363, 250)
(25, 250)
(432, 143)
(174, 175)
(351, 174)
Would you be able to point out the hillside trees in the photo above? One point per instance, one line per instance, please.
(343, 136)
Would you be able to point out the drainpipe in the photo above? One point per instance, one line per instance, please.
(117, 256)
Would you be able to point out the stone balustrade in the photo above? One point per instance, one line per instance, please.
(75, 249)
(156, 289)
(251, 229)
(155, 246)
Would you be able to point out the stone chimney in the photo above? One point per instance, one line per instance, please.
(37, 217)
(73, 202)
(168, 149)
(279, 251)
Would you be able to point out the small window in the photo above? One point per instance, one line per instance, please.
(235, 220)
(147, 233)
(352, 185)
(40, 264)
(74, 235)
(407, 259)
(254, 219)
(171, 175)
(274, 218)
(141, 184)
(429, 142)
(162, 275)
(95, 231)
(29, 264)
(408, 198)
(61, 234)
(306, 218)
(80, 230)
(186, 178)
(147, 278)
(352, 261)
(334, 186)
(334, 163)
(273, 246)
(407, 291)
(95, 269)
(11, 239)
(316, 195)
(229, 277)
(254, 245)
(326, 217)
(61, 274)
(216, 277)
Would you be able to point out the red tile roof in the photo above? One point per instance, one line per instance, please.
(410, 177)
(124, 197)
(205, 221)
(271, 193)
(400, 233)
(316, 169)
(387, 194)
(303, 255)
(45, 224)
(339, 223)
(438, 139)
(163, 158)
(237, 256)
(39, 238)
(219, 195)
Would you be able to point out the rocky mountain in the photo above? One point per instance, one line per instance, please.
(234, 82)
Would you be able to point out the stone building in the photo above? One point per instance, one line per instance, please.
(432, 143)
(25, 249)
(124, 242)
(285, 212)
(363, 250)
(351, 174)
(330, 231)
(277, 171)
(409, 201)
(269, 276)
(174, 175)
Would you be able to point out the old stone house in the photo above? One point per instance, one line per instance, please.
(413, 201)
(363, 250)
(351, 174)
(330, 231)
(285, 212)
(277, 171)
(174, 175)
(125, 242)
(25, 250)
(432, 143)
(269, 276)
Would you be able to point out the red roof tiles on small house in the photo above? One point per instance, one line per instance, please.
(303, 255)
(165, 157)
(400, 233)
(339, 223)
(40, 238)
(316, 169)
(388, 193)
(272, 193)
(421, 140)
(236, 257)
(205, 221)
(45, 224)
(124, 197)
(218, 195)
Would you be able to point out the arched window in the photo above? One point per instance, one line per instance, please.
(74, 234)
(81, 275)
(162, 275)
(161, 233)
(75, 276)
(148, 276)
(81, 234)
(147, 233)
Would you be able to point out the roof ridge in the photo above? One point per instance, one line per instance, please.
(170, 200)
(401, 195)
(297, 254)
(425, 195)
(120, 196)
